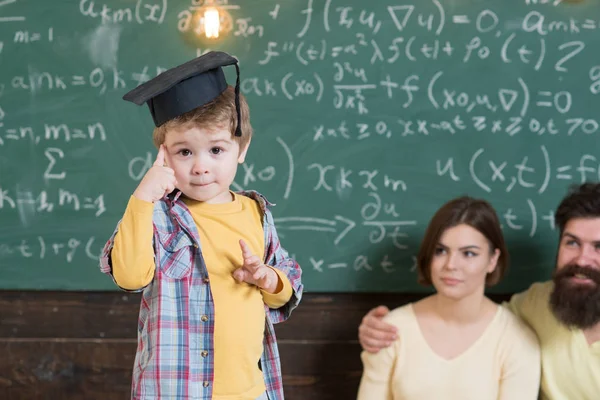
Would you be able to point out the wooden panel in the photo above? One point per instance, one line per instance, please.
(114, 314)
(68, 314)
(72, 346)
(101, 369)
(59, 369)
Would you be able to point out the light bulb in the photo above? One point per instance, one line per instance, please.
(211, 23)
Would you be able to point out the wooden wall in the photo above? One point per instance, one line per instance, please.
(81, 345)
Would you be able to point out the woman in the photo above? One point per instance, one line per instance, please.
(456, 343)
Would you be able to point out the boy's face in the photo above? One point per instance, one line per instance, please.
(204, 161)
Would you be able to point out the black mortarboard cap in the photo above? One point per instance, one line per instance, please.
(181, 89)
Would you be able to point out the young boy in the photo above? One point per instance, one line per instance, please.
(213, 273)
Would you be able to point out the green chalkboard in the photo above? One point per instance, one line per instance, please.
(367, 115)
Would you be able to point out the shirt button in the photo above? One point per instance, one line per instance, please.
(204, 353)
(205, 280)
(196, 245)
(204, 318)
(205, 384)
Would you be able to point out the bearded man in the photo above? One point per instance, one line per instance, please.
(564, 312)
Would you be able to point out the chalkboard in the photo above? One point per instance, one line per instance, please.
(367, 115)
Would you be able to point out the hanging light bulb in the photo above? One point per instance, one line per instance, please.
(212, 22)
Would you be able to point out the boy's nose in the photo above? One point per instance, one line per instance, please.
(199, 168)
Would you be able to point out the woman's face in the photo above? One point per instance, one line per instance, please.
(461, 262)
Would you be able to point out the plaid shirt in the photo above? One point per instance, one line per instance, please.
(176, 321)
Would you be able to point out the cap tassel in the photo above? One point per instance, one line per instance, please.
(238, 129)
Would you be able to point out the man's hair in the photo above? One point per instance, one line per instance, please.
(582, 201)
(476, 213)
(219, 113)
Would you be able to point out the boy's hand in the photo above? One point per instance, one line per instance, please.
(158, 181)
(255, 272)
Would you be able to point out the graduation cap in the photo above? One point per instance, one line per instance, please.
(190, 85)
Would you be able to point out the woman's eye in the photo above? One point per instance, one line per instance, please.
(470, 254)
(439, 250)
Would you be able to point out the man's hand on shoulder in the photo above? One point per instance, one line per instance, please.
(255, 272)
(373, 333)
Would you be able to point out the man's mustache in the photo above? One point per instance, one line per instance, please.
(571, 270)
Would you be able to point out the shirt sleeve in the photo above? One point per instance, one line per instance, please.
(378, 369)
(129, 254)
(521, 372)
(282, 294)
(277, 257)
(526, 305)
(515, 304)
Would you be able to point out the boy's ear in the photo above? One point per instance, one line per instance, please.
(243, 152)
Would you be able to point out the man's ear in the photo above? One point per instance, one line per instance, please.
(242, 156)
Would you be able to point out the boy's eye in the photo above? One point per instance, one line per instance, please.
(216, 150)
(184, 152)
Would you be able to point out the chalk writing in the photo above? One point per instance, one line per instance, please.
(367, 116)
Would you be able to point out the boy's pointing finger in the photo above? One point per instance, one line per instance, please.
(160, 157)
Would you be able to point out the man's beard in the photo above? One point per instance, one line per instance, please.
(576, 305)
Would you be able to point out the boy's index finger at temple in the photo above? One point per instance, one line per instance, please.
(160, 157)
(166, 157)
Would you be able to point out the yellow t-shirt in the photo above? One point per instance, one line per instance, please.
(239, 307)
(502, 364)
(570, 366)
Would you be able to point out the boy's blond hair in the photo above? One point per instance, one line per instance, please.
(220, 113)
